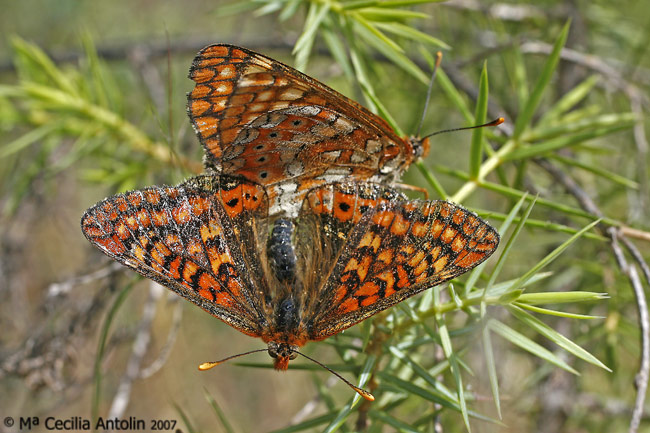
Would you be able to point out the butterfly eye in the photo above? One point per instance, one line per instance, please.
(420, 147)
(273, 349)
(293, 355)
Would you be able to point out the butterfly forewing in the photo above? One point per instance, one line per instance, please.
(392, 251)
(193, 239)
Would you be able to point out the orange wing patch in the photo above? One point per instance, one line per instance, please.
(176, 237)
(245, 105)
(396, 249)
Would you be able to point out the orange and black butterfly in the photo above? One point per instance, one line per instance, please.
(295, 234)
(265, 121)
(354, 250)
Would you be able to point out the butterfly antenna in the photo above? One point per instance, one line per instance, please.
(362, 392)
(426, 102)
(495, 122)
(209, 365)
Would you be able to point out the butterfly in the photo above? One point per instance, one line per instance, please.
(353, 250)
(271, 124)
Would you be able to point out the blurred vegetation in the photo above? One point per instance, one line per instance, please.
(92, 102)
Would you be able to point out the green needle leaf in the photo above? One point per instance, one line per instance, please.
(526, 115)
(527, 344)
(476, 151)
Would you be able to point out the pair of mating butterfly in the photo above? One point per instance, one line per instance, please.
(295, 233)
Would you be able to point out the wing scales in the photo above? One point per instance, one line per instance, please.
(191, 239)
(273, 125)
(391, 251)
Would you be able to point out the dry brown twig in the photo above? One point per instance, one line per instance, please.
(140, 346)
(164, 353)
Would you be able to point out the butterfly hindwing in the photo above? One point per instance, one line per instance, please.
(393, 250)
(328, 217)
(192, 239)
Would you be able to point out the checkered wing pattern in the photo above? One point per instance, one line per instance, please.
(271, 124)
(385, 249)
(199, 239)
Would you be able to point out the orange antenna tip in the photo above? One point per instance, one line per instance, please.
(363, 393)
(208, 365)
(438, 59)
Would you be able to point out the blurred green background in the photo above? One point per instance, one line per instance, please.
(92, 102)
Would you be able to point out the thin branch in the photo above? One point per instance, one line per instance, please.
(140, 345)
(583, 199)
(642, 377)
(171, 338)
(589, 61)
(64, 287)
(152, 50)
(635, 233)
(642, 204)
(507, 11)
(638, 257)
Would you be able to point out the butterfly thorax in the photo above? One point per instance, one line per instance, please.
(286, 332)
(287, 325)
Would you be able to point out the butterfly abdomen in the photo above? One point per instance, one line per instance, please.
(287, 316)
(287, 300)
(281, 252)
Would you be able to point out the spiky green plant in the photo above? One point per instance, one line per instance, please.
(416, 358)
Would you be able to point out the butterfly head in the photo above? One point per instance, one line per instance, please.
(419, 147)
(282, 353)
